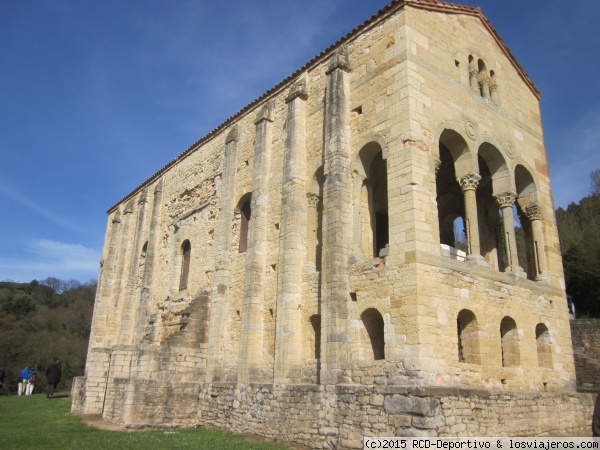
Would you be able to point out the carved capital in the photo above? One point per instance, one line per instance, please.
(232, 135)
(534, 212)
(469, 182)
(313, 200)
(483, 79)
(506, 199)
(339, 60)
(437, 164)
(299, 90)
(493, 86)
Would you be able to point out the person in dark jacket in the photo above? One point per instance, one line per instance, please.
(53, 374)
(596, 418)
(2, 375)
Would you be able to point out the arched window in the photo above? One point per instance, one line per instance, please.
(473, 72)
(142, 265)
(314, 238)
(468, 337)
(509, 336)
(246, 213)
(530, 212)
(186, 253)
(373, 323)
(495, 96)
(453, 152)
(484, 80)
(315, 321)
(374, 220)
(544, 346)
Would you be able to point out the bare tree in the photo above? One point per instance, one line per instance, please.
(595, 176)
(53, 283)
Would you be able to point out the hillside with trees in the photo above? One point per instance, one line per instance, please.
(41, 320)
(579, 231)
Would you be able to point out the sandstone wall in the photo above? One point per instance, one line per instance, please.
(310, 241)
(586, 348)
(340, 416)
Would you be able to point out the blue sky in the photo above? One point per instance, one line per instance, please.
(95, 97)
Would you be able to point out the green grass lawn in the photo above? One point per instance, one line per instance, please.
(34, 422)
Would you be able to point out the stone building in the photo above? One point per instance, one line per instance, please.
(339, 259)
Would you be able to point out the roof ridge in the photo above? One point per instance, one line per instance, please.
(394, 5)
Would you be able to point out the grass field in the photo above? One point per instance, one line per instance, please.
(34, 422)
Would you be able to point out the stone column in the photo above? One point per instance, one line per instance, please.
(494, 92)
(220, 305)
(468, 184)
(473, 72)
(292, 241)
(105, 280)
(119, 284)
(312, 227)
(506, 201)
(144, 312)
(130, 307)
(357, 193)
(484, 81)
(534, 214)
(337, 223)
(251, 348)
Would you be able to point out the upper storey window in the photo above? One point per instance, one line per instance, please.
(482, 80)
(246, 213)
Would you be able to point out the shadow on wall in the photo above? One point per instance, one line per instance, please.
(585, 334)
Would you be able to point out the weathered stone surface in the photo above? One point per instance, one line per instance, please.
(402, 404)
(296, 273)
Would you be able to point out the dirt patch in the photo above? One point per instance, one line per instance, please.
(96, 421)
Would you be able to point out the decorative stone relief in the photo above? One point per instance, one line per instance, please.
(469, 181)
(471, 130)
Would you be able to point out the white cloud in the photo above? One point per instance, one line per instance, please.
(45, 258)
(17, 197)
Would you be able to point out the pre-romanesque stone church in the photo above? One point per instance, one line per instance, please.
(368, 249)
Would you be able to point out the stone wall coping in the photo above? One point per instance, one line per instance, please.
(422, 257)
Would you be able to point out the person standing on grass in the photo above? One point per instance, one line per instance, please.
(31, 379)
(53, 374)
(26, 381)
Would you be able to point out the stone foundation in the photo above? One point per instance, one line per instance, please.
(340, 416)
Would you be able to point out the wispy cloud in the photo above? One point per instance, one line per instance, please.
(17, 197)
(44, 258)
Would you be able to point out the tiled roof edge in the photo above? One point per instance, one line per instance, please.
(393, 6)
